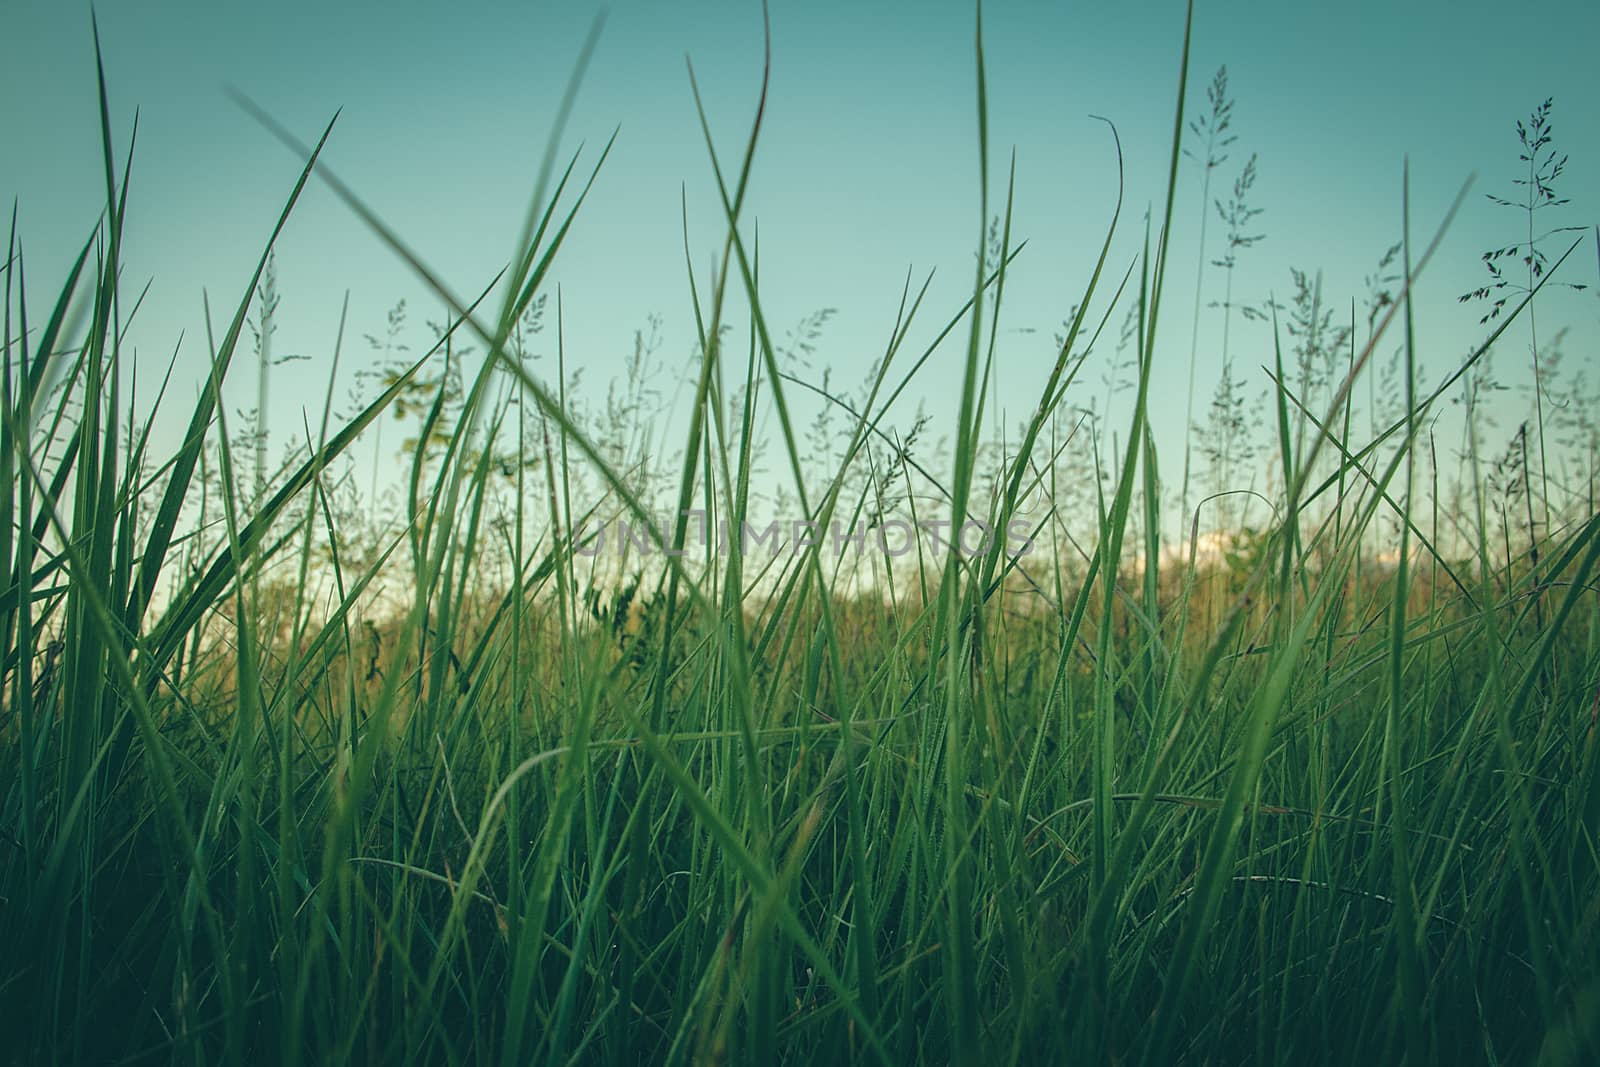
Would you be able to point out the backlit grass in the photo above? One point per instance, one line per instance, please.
(276, 786)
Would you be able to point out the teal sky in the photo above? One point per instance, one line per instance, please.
(867, 165)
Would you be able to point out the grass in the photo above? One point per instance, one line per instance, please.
(453, 792)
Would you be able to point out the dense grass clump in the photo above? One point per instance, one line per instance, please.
(278, 787)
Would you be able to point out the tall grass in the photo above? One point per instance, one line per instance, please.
(1337, 803)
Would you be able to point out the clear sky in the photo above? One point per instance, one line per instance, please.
(867, 165)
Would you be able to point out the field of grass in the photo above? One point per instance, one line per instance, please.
(276, 787)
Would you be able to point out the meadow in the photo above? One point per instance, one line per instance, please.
(1280, 751)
